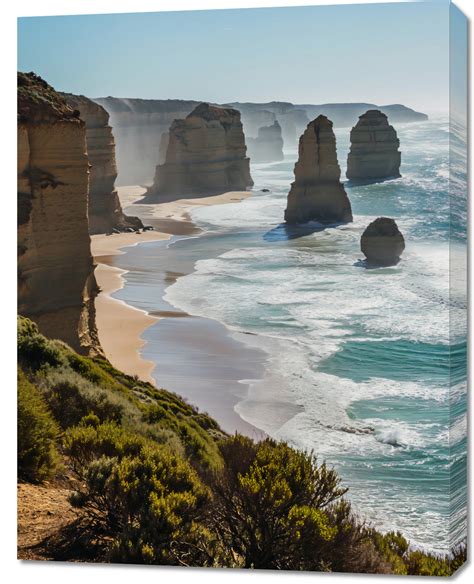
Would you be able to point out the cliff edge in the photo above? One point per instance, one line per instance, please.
(105, 210)
(56, 283)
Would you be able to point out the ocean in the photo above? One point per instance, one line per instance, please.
(364, 367)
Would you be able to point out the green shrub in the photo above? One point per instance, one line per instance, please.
(71, 397)
(199, 445)
(35, 350)
(37, 434)
(269, 504)
(138, 496)
(91, 440)
(422, 564)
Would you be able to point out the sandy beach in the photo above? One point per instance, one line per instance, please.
(120, 326)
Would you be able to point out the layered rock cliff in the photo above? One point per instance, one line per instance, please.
(105, 210)
(267, 146)
(138, 125)
(56, 283)
(382, 243)
(317, 193)
(206, 154)
(374, 153)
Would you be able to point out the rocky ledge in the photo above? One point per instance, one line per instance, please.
(317, 193)
(206, 154)
(374, 153)
(382, 243)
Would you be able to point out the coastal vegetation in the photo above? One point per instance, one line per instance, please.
(155, 481)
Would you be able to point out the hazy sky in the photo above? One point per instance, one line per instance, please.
(379, 53)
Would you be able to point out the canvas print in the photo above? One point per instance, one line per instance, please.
(242, 322)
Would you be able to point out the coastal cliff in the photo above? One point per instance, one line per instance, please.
(138, 125)
(317, 193)
(206, 153)
(374, 153)
(56, 283)
(291, 118)
(267, 146)
(105, 210)
(345, 115)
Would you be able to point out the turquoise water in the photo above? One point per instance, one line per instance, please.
(371, 363)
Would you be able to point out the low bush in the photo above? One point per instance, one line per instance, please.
(71, 397)
(35, 350)
(37, 434)
(138, 495)
(269, 504)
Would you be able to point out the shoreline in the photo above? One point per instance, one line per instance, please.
(115, 316)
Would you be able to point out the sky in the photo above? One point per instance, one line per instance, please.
(377, 53)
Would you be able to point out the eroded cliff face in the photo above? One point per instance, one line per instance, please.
(56, 283)
(138, 125)
(374, 153)
(317, 193)
(105, 210)
(206, 154)
(267, 146)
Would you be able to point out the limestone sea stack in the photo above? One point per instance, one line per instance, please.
(206, 154)
(374, 153)
(267, 146)
(105, 210)
(382, 243)
(56, 283)
(317, 193)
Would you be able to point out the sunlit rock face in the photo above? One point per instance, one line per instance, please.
(374, 153)
(382, 243)
(267, 146)
(105, 210)
(317, 193)
(206, 153)
(56, 283)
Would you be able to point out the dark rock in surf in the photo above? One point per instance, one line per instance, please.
(382, 243)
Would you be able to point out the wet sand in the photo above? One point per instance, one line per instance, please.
(197, 358)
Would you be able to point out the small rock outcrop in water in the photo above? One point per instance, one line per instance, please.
(206, 153)
(374, 153)
(105, 210)
(382, 242)
(56, 283)
(267, 146)
(317, 193)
